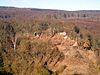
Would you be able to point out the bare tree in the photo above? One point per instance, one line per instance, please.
(14, 40)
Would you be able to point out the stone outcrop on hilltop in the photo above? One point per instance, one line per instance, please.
(77, 59)
(45, 55)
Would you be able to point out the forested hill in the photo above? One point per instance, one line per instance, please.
(10, 12)
(87, 19)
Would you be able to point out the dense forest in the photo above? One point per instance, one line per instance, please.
(49, 42)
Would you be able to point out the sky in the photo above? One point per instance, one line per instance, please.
(54, 4)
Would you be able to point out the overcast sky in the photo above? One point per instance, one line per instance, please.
(54, 4)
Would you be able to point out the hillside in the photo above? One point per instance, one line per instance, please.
(89, 19)
(49, 42)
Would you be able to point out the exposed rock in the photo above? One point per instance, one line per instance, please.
(66, 37)
(62, 33)
(75, 44)
(86, 45)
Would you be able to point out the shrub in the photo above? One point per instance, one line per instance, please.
(61, 69)
(41, 71)
(25, 45)
(76, 29)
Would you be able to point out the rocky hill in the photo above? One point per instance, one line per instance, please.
(49, 42)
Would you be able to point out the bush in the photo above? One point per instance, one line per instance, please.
(61, 69)
(76, 29)
(25, 45)
(41, 71)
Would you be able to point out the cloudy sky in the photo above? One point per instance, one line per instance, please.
(54, 4)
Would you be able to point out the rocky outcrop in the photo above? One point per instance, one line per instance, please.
(54, 55)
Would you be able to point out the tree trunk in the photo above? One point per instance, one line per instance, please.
(14, 40)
